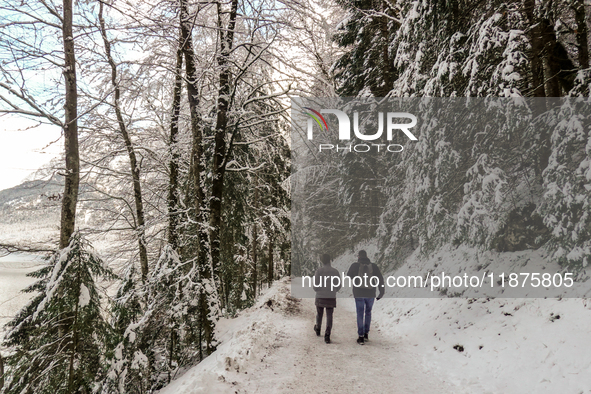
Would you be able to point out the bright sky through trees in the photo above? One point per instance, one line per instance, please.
(24, 148)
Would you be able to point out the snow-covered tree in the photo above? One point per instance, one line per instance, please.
(57, 341)
(149, 347)
(479, 184)
(567, 185)
(126, 368)
(366, 33)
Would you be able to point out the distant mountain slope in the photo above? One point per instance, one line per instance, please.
(32, 190)
(29, 212)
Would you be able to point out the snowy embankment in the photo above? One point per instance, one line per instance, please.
(244, 340)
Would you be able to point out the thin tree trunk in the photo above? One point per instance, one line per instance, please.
(388, 70)
(255, 236)
(270, 272)
(537, 46)
(551, 67)
(72, 178)
(135, 169)
(254, 260)
(241, 274)
(552, 72)
(171, 354)
(74, 344)
(582, 33)
(173, 181)
(1, 373)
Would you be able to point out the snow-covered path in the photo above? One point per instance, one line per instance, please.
(272, 348)
(303, 363)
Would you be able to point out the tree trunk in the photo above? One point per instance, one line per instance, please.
(1, 372)
(242, 275)
(270, 266)
(551, 68)
(255, 245)
(135, 169)
(173, 180)
(254, 260)
(537, 46)
(220, 149)
(72, 178)
(582, 33)
(74, 344)
(388, 64)
(195, 194)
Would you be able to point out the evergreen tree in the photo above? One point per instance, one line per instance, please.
(150, 347)
(486, 187)
(566, 207)
(59, 338)
(367, 67)
(127, 367)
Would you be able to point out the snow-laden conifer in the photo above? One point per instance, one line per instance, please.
(58, 339)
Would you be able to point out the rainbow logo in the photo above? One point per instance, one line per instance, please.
(317, 117)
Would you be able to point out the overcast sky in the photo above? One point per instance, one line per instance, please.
(24, 149)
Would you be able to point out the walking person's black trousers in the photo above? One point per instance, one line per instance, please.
(320, 313)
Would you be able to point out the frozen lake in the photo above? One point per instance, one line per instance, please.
(13, 271)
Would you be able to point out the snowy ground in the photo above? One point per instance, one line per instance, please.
(500, 345)
(272, 348)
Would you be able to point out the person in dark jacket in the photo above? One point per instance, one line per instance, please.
(325, 295)
(366, 277)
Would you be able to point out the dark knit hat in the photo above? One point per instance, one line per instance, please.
(362, 253)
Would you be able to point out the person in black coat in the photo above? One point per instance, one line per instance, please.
(326, 296)
(361, 273)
